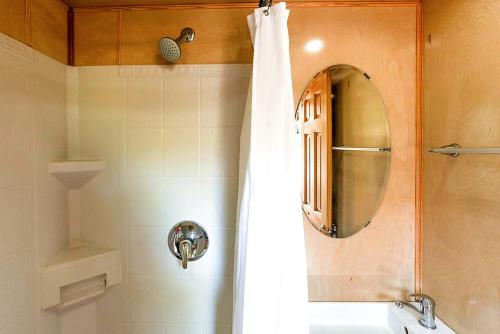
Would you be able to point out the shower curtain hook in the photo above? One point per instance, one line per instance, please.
(266, 3)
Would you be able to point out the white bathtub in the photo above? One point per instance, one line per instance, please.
(367, 318)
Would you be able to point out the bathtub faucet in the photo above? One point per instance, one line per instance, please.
(427, 309)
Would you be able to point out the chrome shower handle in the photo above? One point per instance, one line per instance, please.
(187, 241)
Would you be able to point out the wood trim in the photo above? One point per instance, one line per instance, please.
(419, 151)
(235, 5)
(64, 4)
(28, 22)
(71, 37)
(118, 37)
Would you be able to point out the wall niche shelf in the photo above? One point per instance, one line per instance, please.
(74, 174)
(79, 273)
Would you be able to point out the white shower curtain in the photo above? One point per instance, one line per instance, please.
(270, 281)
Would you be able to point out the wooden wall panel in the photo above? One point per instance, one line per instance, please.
(41, 24)
(49, 28)
(14, 20)
(378, 262)
(96, 38)
(222, 33)
(461, 248)
(221, 36)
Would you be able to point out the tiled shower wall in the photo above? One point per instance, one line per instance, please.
(33, 216)
(170, 139)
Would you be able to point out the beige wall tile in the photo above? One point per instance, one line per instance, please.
(183, 295)
(147, 299)
(102, 104)
(182, 199)
(182, 152)
(147, 329)
(16, 208)
(79, 320)
(48, 90)
(184, 329)
(144, 152)
(113, 307)
(15, 119)
(102, 207)
(147, 249)
(144, 102)
(15, 149)
(182, 101)
(16, 290)
(23, 324)
(217, 329)
(220, 260)
(220, 151)
(223, 100)
(219, 197)
(102, 93)
(145, 201)
(218, 291)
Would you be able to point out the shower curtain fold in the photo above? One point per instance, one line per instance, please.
(270, 278)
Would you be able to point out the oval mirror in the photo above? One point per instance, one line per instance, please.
(345, 137)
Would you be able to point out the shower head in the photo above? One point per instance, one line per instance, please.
(170, 49)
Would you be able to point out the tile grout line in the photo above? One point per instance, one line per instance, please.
(164, 87)
(17, 317)
(125, 199)
(15, 252)
(200, 183)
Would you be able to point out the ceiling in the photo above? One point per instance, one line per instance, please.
(93, 3)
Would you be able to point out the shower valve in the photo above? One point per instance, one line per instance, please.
(187, 241)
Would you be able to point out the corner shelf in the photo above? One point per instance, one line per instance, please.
(74, 174)
(79, 273)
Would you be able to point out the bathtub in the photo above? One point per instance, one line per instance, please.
(367, 318)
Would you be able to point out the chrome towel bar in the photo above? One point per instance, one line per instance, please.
(455, 150)
(361, 149)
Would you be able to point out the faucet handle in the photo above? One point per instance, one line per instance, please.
(185, 249)
(427, 309)
(423, 299)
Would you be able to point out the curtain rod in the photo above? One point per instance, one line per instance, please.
(243, 5)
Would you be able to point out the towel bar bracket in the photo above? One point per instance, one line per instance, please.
(454, 150)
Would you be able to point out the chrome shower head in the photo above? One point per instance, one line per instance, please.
(170, 48)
